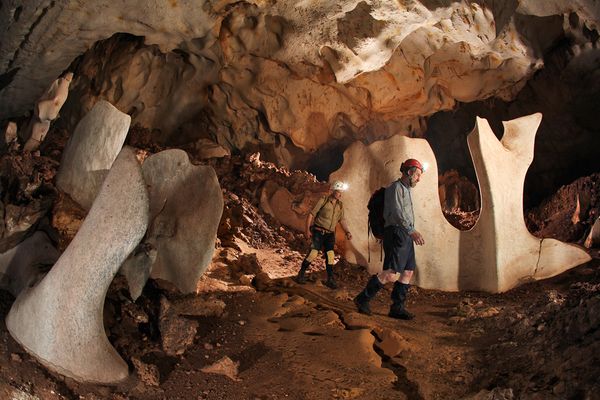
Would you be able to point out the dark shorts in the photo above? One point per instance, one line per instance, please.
(399, 250)
(322, 240)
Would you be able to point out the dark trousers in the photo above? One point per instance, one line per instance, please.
(399, 250)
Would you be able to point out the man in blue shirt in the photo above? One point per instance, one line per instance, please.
(398, 243)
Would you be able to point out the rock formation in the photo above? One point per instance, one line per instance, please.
(59, 321)
(45, 111)
(339, 65)
(498, 253)
(185, 209)
(294, 79)
(91, 151)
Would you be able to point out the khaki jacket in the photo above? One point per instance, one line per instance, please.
(327, 213)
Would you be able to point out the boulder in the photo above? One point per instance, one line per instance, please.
(59, 321)
(176, 333)
(278, 202)
(91, 151)
(18, 221)
(205, 149)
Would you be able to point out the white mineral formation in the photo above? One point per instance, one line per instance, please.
(91, 151)
(46, 110)
(186, 204)
(59, 321)
(10, 134)
(498, 253)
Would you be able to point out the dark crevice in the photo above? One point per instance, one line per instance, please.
(6, 78)
(17, 13)
(402, 383)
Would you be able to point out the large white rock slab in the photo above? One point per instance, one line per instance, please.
(59, 321)
(186, 204)
(498, 253)
(91, 151)
(20, 266)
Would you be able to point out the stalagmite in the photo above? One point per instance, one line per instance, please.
(59, 321)
(46, 111)
(498, 253)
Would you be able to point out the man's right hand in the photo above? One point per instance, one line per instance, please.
(417, 238)
(308, 234)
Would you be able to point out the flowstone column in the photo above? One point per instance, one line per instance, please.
(498, 253)
(59, 321)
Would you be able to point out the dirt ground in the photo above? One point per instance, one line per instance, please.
(252, 333)
(539, 341)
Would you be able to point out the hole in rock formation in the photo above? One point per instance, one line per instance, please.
(17, 13)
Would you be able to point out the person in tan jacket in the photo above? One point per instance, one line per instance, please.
(320, 227)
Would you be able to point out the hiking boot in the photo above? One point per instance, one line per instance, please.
(362, 305)
(400, 313)
(399, 294)
(300, 279)
(330, 283)
(363, 298)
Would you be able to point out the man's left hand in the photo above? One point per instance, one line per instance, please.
(417, 238)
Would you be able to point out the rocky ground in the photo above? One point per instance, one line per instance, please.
(252, 333)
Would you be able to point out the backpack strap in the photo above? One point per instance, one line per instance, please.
(368, 234)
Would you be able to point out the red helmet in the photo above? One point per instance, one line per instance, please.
(408, 164)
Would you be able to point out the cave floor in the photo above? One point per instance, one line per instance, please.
(307, 342)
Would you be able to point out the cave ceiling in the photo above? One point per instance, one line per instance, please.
(298, 76)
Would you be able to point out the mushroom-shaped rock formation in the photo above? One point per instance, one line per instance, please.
(498, 253)
(59, 321)
(186, 204)
(91, 151)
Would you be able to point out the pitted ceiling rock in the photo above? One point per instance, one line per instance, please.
(186, 204)
(91, 151)
(42, 37)
(300, 65)
(498, 253)
(59, 321)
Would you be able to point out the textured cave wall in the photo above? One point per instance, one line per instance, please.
(566, 91)
(298, 81)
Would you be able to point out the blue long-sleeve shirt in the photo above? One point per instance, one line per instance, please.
(398, 208)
